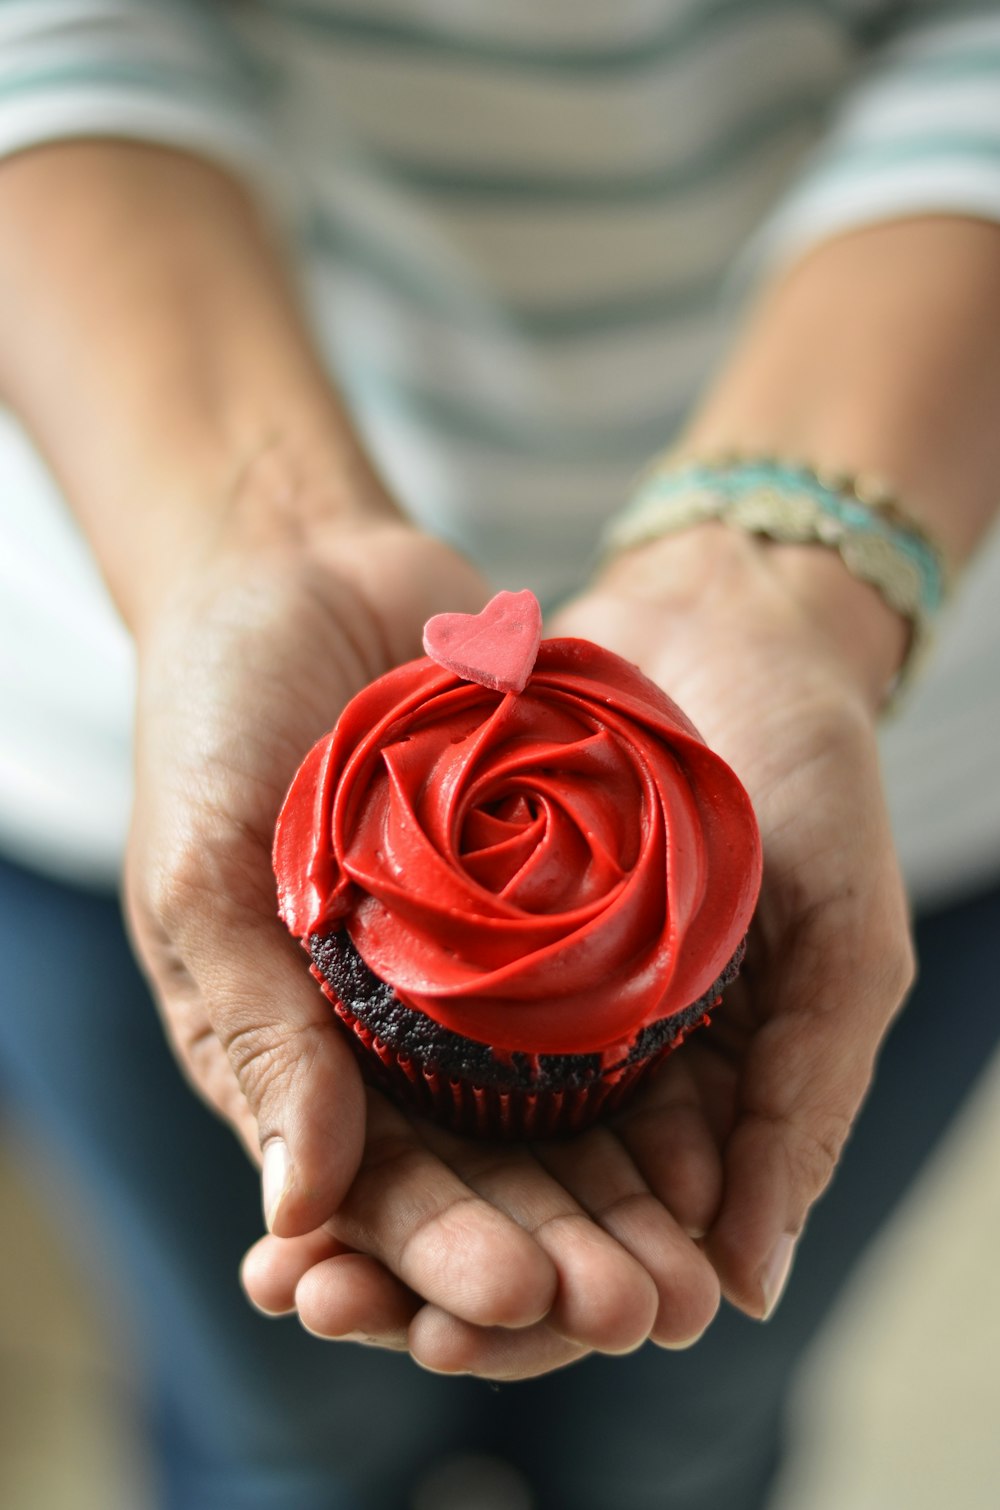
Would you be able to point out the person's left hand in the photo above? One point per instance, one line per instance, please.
(727, 1146)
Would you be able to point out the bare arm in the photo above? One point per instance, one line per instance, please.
(152, 343)
(876, 355)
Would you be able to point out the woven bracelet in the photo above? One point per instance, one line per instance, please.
(788, 502)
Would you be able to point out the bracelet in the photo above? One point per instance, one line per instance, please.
(792, 503)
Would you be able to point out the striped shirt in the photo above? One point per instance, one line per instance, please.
(525, 229)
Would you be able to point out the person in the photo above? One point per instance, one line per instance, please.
(494, 325)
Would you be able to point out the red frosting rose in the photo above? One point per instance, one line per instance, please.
(548, 871)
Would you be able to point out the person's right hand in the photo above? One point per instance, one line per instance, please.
(241, 669)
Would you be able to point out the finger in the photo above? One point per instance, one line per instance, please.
(351, 1297)
(206, 1065)
(677, 1152)
(440, 1342)
(272, 1268)
(805, 1076)
(417, 1216)
(202, 910)
(337, 1293)
(832, 962)
(600, 1173)
(605, 1299)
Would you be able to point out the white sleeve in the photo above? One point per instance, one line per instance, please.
(164, 71)
(918, 133)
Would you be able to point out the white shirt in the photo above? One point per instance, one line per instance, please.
(517, 223)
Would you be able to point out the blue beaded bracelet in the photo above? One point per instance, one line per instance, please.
(793, 503)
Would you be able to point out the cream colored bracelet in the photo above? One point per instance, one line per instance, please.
(785, 501)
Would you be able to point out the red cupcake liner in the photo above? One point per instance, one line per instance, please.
(486, 1111)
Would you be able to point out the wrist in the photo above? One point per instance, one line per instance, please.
(714, 570)
(284, 501)
(868, 637)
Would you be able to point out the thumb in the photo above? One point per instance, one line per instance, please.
(295, 1069)
(803, 1081)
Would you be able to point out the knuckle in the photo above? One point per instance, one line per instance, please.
(484, 1171)
(202, 1059)
(193, 1040)
(175, 882)
(622, 1207)
(393, 1155)
(449, 1219)
(903, 968)
(816, 1149)
(894, 971)
(201, 872)
(570, 1220)
(268, 1057)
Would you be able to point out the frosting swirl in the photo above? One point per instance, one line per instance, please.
(549, 871)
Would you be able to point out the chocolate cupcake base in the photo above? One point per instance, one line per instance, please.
(465, 1085)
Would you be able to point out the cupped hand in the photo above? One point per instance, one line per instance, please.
(619, 1268)
(244, 665)
(774, 654)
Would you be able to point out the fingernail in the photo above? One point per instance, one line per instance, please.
(680, 1347)
(393, 1340)
(275, 1179)
(271, 1315)
(776, 1272)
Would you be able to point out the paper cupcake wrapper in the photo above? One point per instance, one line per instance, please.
(484, 1111)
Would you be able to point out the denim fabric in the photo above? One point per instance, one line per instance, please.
(251, 1414)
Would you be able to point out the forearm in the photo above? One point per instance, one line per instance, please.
(875, 355)
(153, 347)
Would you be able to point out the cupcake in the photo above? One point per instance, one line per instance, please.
(521, 875)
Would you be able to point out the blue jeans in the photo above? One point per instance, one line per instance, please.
(250, 1414)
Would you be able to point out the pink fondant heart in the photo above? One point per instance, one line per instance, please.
(496, 647)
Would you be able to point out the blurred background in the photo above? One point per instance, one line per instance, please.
(898, 1407)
